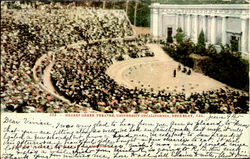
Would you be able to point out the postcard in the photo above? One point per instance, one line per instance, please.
(125, 79)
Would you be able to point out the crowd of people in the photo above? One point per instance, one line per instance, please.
(79, 72)
(79, 75)
(29, 33)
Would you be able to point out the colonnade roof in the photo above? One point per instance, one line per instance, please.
(230, 10)
(201, 6)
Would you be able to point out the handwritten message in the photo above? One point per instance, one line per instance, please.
(49, 136)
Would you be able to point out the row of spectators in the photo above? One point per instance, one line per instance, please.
(27, 34)
(77, 70)
(79, 74)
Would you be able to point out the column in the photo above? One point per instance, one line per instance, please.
(183, 22)
(213, 30)
(151, 21)
(223, 30)
(244, 34)
(204, 26)
(188, 24)
(195, 33)
(160, 24)
(154, 22)
(176, 21)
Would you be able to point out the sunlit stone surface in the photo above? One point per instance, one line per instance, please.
(220, 23)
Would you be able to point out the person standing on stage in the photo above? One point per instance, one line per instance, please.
(174, 73)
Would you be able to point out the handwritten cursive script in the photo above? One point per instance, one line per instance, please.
(43, 136)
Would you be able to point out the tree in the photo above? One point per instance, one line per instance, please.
(179, 36)
(104, 4)
(201, 46)
(186, 47)
(136, 4)
(127, 1)
(201, 39)
(142, 15)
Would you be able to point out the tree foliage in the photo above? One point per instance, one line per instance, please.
(211, 50)
(186, 47)
(142, 13)
(201, 45)
(179, 35)
(201, 39)
(170, 39)
(226, 66)
(234, 45)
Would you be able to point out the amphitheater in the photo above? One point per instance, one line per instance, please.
(157, 73)
(73, 67)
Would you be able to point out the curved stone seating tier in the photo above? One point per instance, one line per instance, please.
(93, 43)
(25, 41)
(45, 82)
(109, 85)
(151, 72)
(22, 96)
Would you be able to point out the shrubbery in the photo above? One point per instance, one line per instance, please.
(234, 45)
(228, 69)
(170, 39)
(226, 66)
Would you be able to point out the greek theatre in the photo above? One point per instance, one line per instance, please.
(220, 23)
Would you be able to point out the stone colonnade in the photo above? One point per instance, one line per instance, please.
(195, 34)
(189, 18)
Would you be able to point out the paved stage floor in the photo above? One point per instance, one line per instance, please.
(157, 73)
